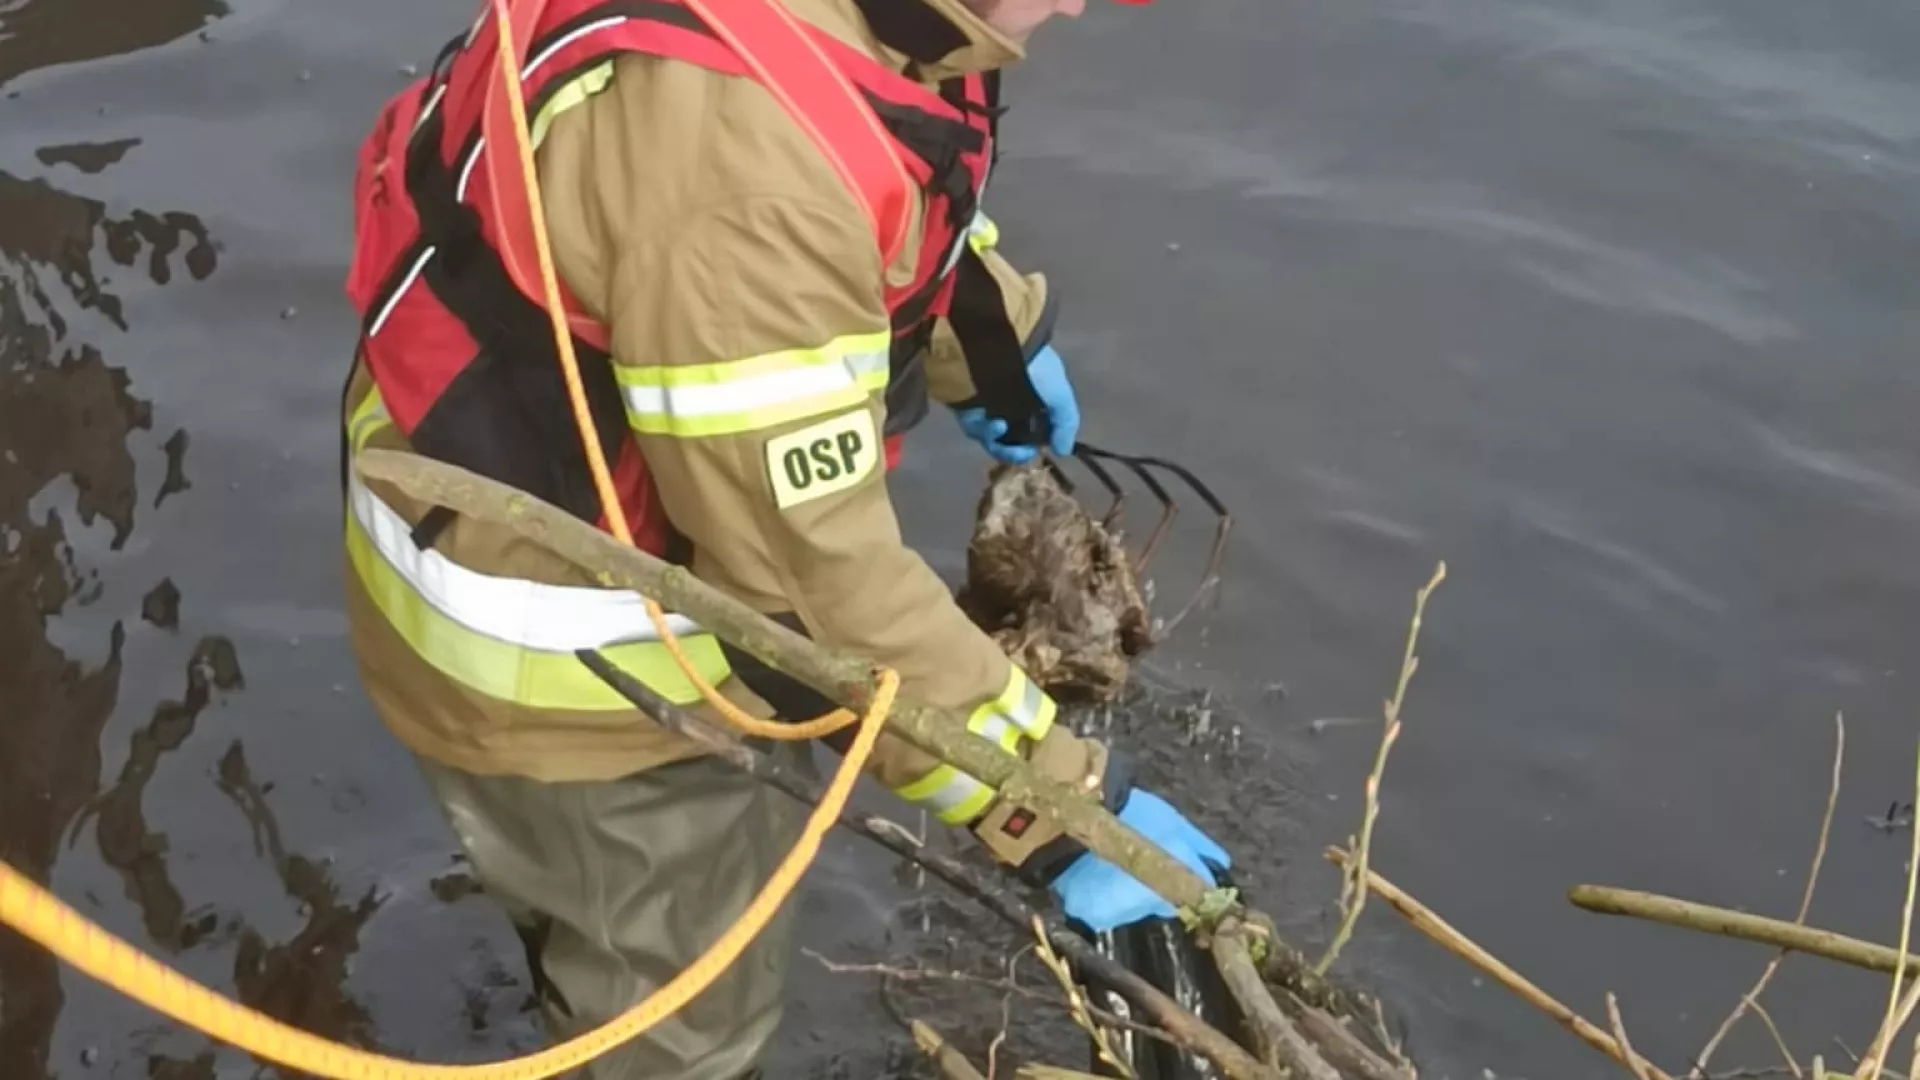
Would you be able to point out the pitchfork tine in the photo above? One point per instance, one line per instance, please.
(1215, 558)
(1059, 474)
(1168, 508)
(1218, 555)
(1119, 494)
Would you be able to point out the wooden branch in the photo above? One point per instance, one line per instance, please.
(1051, 1072)
(844, 679)
(952, 1063)
(1184, 1028)
(1275, 1036)
(1343, 1049)
(1705, 918)
(1432, 925)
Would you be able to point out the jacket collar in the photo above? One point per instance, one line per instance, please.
(929, 40)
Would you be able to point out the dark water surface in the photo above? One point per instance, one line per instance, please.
(1611, 305)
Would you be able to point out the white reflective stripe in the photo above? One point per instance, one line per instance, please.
(753, 392)
(953, 256)
(466, 171)
(1034, 712)
(546, 618)
(433, 102)
(533, 65)
(998, 729)
(965, 238)
(405, 284)
(958, 797)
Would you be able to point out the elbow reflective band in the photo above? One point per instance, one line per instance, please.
(982, 234)
(510, 638)
(1022, 706)
(1022, 710)
(759, 392)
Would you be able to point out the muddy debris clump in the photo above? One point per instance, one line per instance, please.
(1055, 588)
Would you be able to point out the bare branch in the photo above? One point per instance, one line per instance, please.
(1806, 907)
(1633, 1060)
(1082, 1014)
(1897, 1010)
(1353, 894)
(1006, 986)
(1432, 925)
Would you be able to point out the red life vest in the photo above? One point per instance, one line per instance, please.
(453, 331)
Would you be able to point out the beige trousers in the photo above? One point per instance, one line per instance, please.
(617, 886)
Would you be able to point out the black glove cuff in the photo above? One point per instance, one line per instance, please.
(1052, 859)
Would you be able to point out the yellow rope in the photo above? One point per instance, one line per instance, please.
(41, 917)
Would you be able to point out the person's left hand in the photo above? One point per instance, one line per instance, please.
(1047, 374)
(1102, 897)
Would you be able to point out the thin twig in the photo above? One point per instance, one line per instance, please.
(1897, 1010)
(1006, 1015)
(1394, 1046)
(1779, 1040)
(1633, 1060)
(1081, 1013)
(911, 974)
(1342, 1048)
(1353, 894)
(1806, 907)
(950, 1061)
(1432, 925)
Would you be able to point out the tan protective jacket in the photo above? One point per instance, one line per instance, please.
(704, 228)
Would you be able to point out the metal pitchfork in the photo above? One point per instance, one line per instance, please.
(1092, 457)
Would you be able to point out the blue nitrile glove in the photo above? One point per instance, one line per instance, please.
(1104, 897)
(1047, 374)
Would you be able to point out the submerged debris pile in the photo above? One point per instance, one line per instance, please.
(1054, 587)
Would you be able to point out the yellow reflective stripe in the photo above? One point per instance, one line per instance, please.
(571, 93)
(953, 796)
(758, 392)
(510, 672)
(1022, 704)
(368, 417)
(982, 234)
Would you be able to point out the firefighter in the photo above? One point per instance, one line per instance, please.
(771, 269)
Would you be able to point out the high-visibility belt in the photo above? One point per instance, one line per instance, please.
(505, 637)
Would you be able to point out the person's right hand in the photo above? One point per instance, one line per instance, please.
(1047, 374)
(1101, 896)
